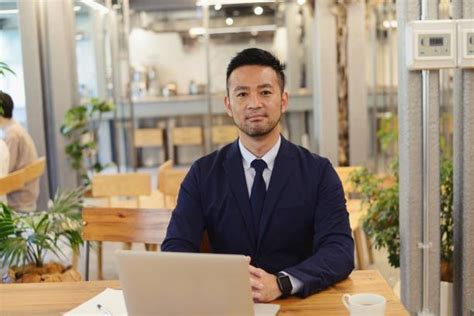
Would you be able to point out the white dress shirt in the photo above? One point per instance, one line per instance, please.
(269, 158)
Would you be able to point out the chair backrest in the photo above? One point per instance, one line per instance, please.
(169, 182)
(187, 135)
(223, 134)
(344, 174)
(12, 182)
(35, 169)
(125, 224)
(122, 184)
(148, 137)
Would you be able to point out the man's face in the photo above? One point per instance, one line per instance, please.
(255, 100)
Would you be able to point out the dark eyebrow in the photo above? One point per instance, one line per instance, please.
(266, 85)
(238, 88)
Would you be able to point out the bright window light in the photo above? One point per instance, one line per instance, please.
(96, 6)
(77, 8)
(301, 2)
(5, 12)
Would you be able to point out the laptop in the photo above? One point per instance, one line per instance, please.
(167, 283)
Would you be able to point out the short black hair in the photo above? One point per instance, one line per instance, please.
(6, 103)
(256, 56)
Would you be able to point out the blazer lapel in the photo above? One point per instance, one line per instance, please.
(282, 170)
(235, 174)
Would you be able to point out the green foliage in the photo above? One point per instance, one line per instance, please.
(382, 219)
(25, 238)
(80, 127)
(4, 69)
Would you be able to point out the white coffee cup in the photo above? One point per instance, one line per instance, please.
(364, 304)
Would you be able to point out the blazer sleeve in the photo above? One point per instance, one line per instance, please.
(333, 247)
(187, 223)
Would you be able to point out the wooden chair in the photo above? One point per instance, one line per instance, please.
(223, 134)
(150, 137)
(116, 187)
(169, 182)
(123, 225)
(12, 182)
(344, 174)
(356, 212)
(35, 169)
(186, 136)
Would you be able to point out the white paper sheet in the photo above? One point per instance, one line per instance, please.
(112, 300)
(114, 303)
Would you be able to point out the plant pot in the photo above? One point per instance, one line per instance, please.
(51, 272)
(446, 268)
(446, 301)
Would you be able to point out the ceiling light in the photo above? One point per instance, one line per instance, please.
(5, 12)
(389, 24)
(229, 21)
(258, 10)
(217, 7)
(96, 6)
(301, 2)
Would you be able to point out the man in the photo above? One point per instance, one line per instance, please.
(22, 153)
(290, 218)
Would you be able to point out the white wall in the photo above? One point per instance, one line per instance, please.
(181, 64)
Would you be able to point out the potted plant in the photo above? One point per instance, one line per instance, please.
(381, 223)
(27, 238)
(80, 127)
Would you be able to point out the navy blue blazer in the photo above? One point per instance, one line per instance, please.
(304, 229)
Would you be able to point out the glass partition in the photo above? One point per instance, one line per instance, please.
(11, 54)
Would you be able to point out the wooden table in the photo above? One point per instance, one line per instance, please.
(57, 298)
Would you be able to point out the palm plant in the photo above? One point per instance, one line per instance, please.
(26, 238)
(4, 69)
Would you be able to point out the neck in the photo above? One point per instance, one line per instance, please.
(259, 146)
(4, 121)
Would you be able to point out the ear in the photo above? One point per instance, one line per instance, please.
(284, 101)
(228, 107)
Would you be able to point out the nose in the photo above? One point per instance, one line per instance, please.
(254, 101)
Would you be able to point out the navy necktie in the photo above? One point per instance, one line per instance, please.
(259, 190)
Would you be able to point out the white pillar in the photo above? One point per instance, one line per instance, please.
(325, 112)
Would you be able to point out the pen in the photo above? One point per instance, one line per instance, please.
(104, 310)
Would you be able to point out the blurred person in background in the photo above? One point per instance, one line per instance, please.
(4, 163)
(22, 153)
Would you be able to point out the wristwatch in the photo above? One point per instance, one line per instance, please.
(284, 283)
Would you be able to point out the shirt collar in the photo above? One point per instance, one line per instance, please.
(269, 157)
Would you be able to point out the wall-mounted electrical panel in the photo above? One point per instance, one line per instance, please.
(465, 43)
(431, 44)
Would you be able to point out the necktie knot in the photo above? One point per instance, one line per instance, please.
(259, 165)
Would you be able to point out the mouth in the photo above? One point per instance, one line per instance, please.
(255, 118)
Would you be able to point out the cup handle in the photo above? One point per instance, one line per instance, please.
(345, 300)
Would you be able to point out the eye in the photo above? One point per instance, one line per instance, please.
(266, 92)
(241, 94)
